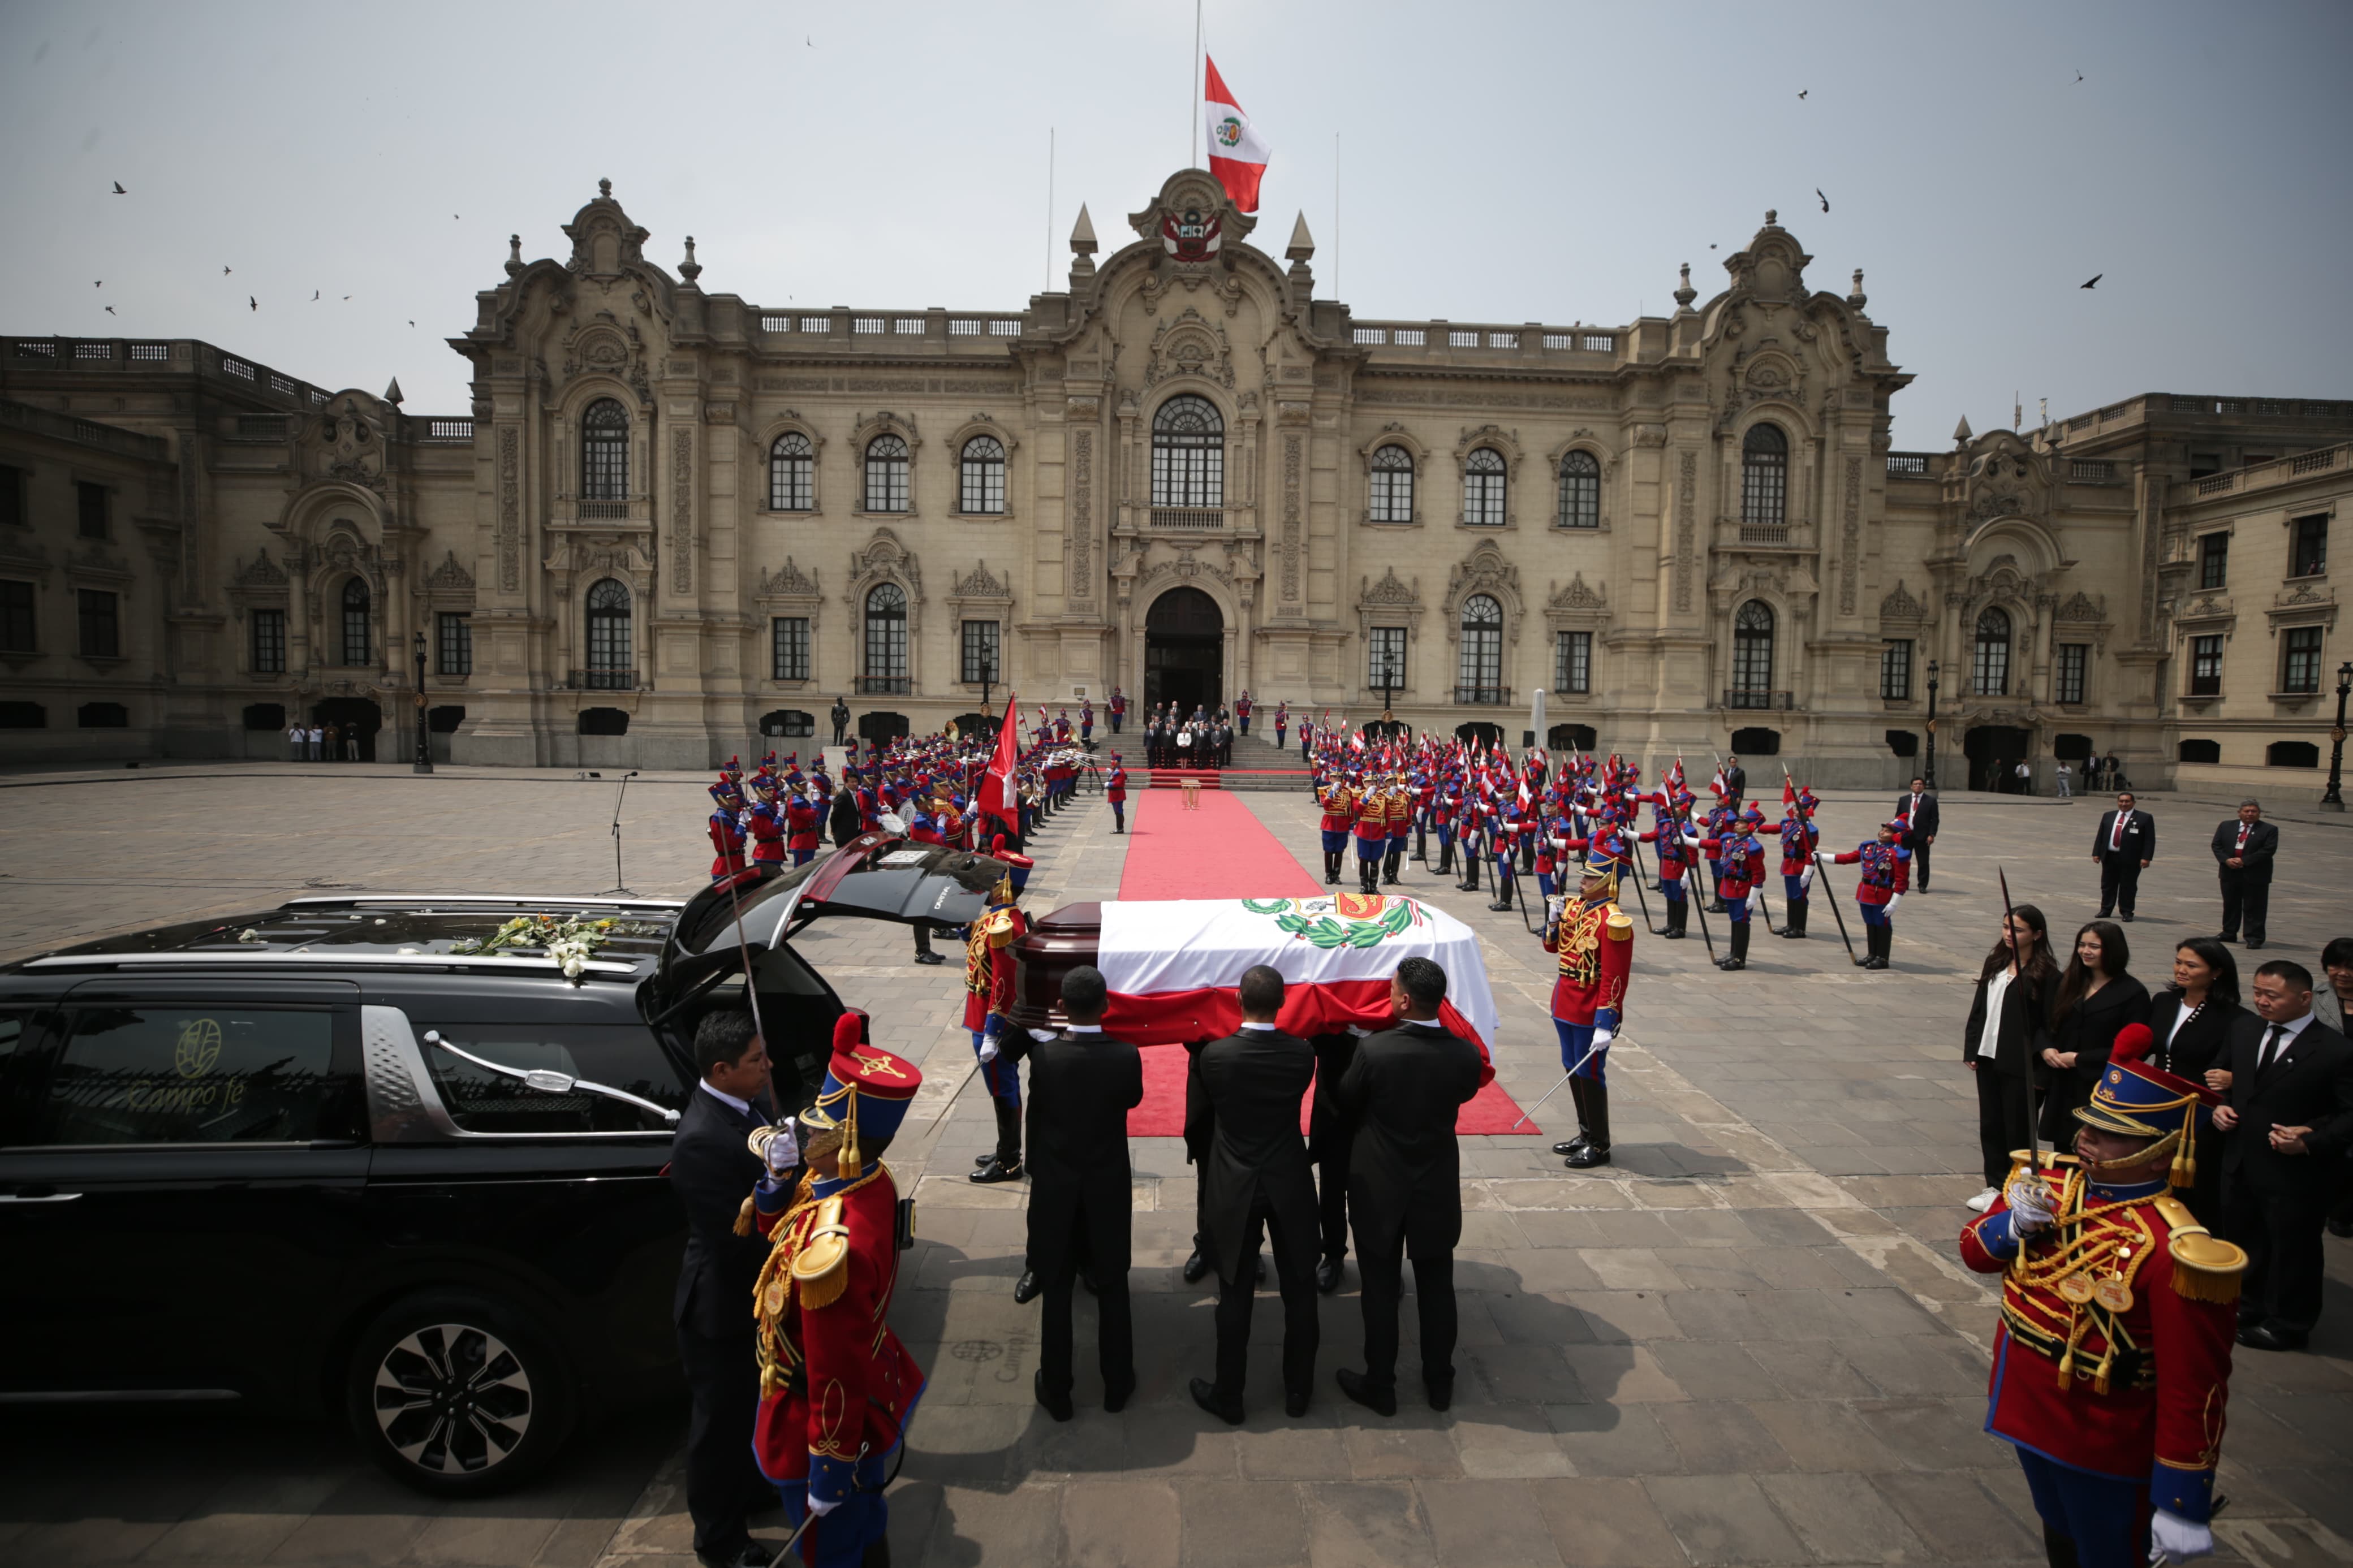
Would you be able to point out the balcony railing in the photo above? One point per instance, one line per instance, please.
(1192, 519)
(1761, 700)
(1483, 695)
(1764, 534)
(603, 508)
(603, 681)
(886, 685)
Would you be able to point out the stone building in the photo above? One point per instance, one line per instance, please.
(673, 523)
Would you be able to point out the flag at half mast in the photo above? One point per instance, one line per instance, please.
(1238, 155)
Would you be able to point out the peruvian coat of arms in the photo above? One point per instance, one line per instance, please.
(1343, 919)
(1191, 234)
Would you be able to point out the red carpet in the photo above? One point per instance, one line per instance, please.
(1224, 851)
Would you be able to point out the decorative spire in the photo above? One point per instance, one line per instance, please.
(689, 268)
(1083, 246)
(392, 393)
(514, 255)
(604, 189)
(1961, 432)
(1686, 293)
(1772, 216)
(1302, 244)
(1856, 297)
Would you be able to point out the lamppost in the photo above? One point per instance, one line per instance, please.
(2335, 799)
(989, 680)
(1932, 724)
(1392, 681)
(424, 738)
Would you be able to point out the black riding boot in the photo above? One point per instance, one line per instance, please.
(1005, 1165)
(1445, 858)
(1793, 919)
(1331, 869)
(1469, 870)
(1593, 1107)
(1584, 1134)
(1389, 867)
(1503, 886)
(1678, 913)
(1739, 959)
(1422, 842)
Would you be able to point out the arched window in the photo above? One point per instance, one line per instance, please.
(886, 638)
(1765, 477)
(1482, 669)
(886, 475)
(983, 476)
(1991, 670)
(355, 623)
(1392, 499)
(1483, 488)
(1580, 491)
(604, 452)
(1752, 655)
(610, 665)
(1188, 454)
(791, 473)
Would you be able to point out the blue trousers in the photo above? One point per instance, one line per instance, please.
(1543, 883)
(1874, 914)
(1793, 888)
(2106, 1516)
(1001, 1078)
(840, 1539)
(1737, 906)
(1333, 842)
(802, 856)
(1371, 848)
(1245, 723)
(1672, 887)
(1575, 1055)
(1397, 844)
(1119, 814)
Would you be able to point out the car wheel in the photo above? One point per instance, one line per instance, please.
(457, 1395)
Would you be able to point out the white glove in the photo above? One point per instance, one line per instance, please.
(783, 1149)
(2172, 1537)
(1825, 858)
(1805, 879)
(1602, 1036)
(822, 1509)
(1893, 900)
(2030, 1206)
(1692, 839)
(987, 1048)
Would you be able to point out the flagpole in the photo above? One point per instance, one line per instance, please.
(1049, 208)
(1193, 111)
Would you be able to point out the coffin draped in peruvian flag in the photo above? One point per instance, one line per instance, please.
(1172, 965)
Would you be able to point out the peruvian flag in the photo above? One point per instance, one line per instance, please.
(1236, 153)
(996, 797)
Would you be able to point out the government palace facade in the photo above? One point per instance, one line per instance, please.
(676, 526)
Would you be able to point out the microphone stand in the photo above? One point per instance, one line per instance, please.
(619, 885)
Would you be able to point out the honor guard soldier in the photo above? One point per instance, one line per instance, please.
(1397, 811)
(1372, 833)
(1339, 817)
(2112, 1364)
(1879, 888)
(1595, 940)
(1741, 857)
(766, 822)
(1675, 860)
(837, 1388)
(1087, 723)
(1443, 804)
(989, 972)
(1799, 839)
(1281, 722)
(1115, 793)
(726, 828)
(1718, 823)
(803, 818)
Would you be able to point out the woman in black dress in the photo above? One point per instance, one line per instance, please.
(2017, 989)
(2097, 996)
(2192, 1020)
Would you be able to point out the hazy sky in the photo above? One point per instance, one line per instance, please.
(1499, 161)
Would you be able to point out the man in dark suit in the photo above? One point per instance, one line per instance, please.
(2290, 1118)
(1330, 1133)
(1405, 1189)
(1082, 1084)
(2124, 844)
(2243, 850)
(1918, 808)
(713, 1171)
(1736, 780)
(1256, 1181)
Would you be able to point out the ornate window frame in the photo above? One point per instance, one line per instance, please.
(1391, 601)
(1505, 444)
(788, 421)
(1590, 444)
(1483, 570)
(787, 591)
(886, 423)
(982, 596)
(1414, 448)
(885, 559)
(1578, 607)
(981, 424)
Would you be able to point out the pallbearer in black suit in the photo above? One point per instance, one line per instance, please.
(1331, 1131)
(1082, 1084)
(713, 1172)
(2124, 844)
(1255, 1182)
(1405, 1188)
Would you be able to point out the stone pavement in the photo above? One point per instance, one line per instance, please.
(1746, 1341)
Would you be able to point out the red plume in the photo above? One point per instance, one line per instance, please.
(2132, 1043)
(849, 1030)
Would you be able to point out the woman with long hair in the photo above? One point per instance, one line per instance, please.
(2192, 1020)
(2017, 985)
(2097, 996)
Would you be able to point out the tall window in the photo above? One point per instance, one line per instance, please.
(610, 665)
(2071, 673)
(1188, 454)
(983, 488)
(886, 635)
(1580, 491)
(2214, 561)
(2206, 666)
(1483, 488)
(357, 642)
(1392, 497)
(604, 452)
(16, 626)
(1385, 659)
(792, 474)
(979, 660)
(1573, 662)
(1482, 671)
(788, 648)
(12, 496)
(89, 510)
(1895, 669)
(268, 642)
(454, 642)
(1752, 654)
(102, 625)
(2308, 554)
(1991, 670)
(886, 475)
(2300, 659)
(1764, 477)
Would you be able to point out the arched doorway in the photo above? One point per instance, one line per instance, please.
(882, 729)
(1478, 732)
(347, 714)
(1183, 651)
(1993, 751)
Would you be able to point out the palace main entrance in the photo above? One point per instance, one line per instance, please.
(1183, 651)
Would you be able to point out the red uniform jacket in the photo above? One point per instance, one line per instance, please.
(727, 839)
(1339, 809)
(1596, 944)
(767, 835)
(1886, 871)
(989, 970)
(1744, 861)
(801, 825)
(1115, 786)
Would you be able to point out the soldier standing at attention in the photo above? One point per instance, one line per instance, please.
(1399, 813)
(1595, 940)
(1372, 831)
(1743, 854)
(989, 972)
(1115, 793)
(1281, 722)
(1886, 870)
(1798, 838)
(1339, 818)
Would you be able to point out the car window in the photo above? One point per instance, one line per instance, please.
(619, 1055)
(211, 1073)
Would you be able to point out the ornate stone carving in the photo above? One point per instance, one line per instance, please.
(884, 556)
(1484, 571)
(345, 442)
(978, 583)
(788, 582)
(1293, 463)
(2083, 607)
(510, 510)
(1577, 597)
(1190, 345)
(1900, 605)
(1389, 590)
(682, 509)
(1850, 541)
(449, 577)
(1080, 586)
(1686, 529)
(265, 573)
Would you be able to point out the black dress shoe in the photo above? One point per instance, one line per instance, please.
(1440, 1391)
(1328, 1274)
(997, 1170)
(1585, 1158)
(1572, 1145)
(1205, 1395)
(931, 958)
(1117, 1394)
(2253, 942)
(1195, 1267)
(1731, 964)
(1379, 1401)
(1093, 1285)
(2126, 919)
(1026, 1288)
(2262, 1337)
(980, 1160)
(1294, 1405)
(750, 1554)
(1060, 1409)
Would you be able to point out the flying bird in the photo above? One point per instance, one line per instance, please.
(1825, 200)
(412, 323)
(223, 271)
(98, 283)
(251, 303)
(2079, 76)
(1802, 92)
(110, 310)
(2096, 279)
(347, 296)
(119, 190)
(315, 296)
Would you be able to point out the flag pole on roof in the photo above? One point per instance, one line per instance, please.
(1238, 154)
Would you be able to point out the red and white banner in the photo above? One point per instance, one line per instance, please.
(998, 797)
(1172, 965)
(1236, 153)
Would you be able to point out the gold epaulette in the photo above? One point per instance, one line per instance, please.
(2205, 1267)
(997, 927)
(1621, 924)
(821, 1265)
(745, 1222)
